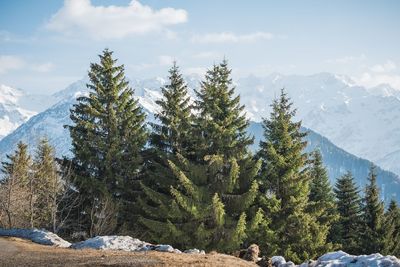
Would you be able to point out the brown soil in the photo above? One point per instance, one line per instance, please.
(18, 252)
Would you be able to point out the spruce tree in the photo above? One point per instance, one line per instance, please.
(322, 199)
(346, 230)
(373, 217)
(108, 135)
(391, 240)
(212, 188)
(284, 176)
(172, 133)
(321, 192)
(221, 125)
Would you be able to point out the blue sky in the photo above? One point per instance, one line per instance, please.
(47, 44)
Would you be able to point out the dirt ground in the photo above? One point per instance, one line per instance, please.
(18, 252)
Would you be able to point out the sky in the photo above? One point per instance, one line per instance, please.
(47, 44)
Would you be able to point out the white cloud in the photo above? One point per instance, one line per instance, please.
(8, 62)
(373, 79)
(380, 74)
(229, 37)
(388, 66)
(108, 22)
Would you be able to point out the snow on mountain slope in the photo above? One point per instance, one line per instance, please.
(16, 107)
(364, 122)
(50, 122)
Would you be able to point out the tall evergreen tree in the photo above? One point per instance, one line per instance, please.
(392, 230)
(212, 188)
(221, 123)
(284, 175)
(321, 191)
(172, 133)
(373, 217)
(108, 134)
(322, 199)
(346, 230)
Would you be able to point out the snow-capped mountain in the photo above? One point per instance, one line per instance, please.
(50, 122)
(363, 121)
(16, 107)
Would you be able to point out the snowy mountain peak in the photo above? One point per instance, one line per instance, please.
(17, 106)
(345, 80)
(9, 95)
(11, 113)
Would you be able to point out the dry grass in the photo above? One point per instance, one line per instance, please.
(18, 252)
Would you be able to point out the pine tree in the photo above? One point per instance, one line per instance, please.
(48, 185)
(346, 230)
(221, 123)
(284, 175)
(322, 199)
(108, 134)
(392, 230)
(373, 217)
(211, 189)
(321, 191)
(16, 195)
(172, 133)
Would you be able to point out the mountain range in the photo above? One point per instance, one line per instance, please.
(363, 121)
(345, 121)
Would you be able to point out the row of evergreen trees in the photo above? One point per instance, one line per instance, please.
(363, 225)
(191, 181)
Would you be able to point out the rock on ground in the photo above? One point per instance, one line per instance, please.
(252, 253)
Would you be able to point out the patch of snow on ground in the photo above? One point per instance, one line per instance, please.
(276, 260)
(342, 259)
(195, 251)
(125, 243)
(331, 256)
(42, 237)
